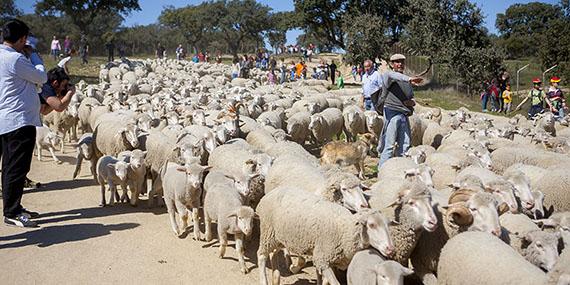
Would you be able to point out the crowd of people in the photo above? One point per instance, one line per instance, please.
(497, 93)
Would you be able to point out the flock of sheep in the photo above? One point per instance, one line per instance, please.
(478, 199)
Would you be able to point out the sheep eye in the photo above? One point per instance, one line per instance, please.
(411, 203)
(372, 226)
(473, 209)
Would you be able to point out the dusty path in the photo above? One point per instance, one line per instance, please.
(80, 243)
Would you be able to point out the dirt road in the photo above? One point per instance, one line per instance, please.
(80, 243)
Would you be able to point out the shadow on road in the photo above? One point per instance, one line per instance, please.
(95, 212)
(53, 235)
(63, 185)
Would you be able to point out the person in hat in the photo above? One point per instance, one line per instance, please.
(396, 102)
(19, 116)
(556, 98)
(537, 97)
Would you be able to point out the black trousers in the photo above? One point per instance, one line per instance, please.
(17, 150)
(332, 77)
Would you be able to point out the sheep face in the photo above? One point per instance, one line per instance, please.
(244, 217)
(415, 201)
(391, 272)
(120, 168)
(503, 193)
(316, 123)
(193, 184)
(375, 232)
(137, 158)
(483, 209)
(131, 135)
(423, 172)
(417, 155)
(86, 150)
(538, 207)
(521, 184)
(353, 196)
(144, 122)
(221, 133)
(52, 139)
(73, 110)
(199, 118)
(542, 248)
(185, 152)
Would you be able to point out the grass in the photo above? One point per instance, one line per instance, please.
(88, 72)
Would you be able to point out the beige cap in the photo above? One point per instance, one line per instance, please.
(397, 56)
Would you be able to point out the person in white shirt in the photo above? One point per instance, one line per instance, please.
(64, 63)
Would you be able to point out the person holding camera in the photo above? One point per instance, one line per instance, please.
(57, 92)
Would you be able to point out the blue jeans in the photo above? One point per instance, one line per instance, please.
(368, 104)
(396, 130)
(484, 100)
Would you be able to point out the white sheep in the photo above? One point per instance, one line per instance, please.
(182, 186)
(306, 224)
(374, 123)
(63, 123)
(354, 122)
(368, 267)
(466, 211)
(114, 134)
(112, 171)
(298, 127)
(480, 258)
(503, 158)
(434, 134)
(224, 204)
(538, 247)
(136, 172)
(326, 124)
(85, 151)
(47, 139)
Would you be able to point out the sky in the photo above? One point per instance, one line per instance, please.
(150, 10)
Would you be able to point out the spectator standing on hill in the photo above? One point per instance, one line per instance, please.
(485, 96)
(19, 116)
(159, 51)
(494, 96)
(110, 46)
(283, 70)
(503, 81)
(67, 45)
(179, 51)
(55, 47)
(122, 49)
(537, 98)
(219, 57)
(556, 98)
(332, 68)
(84, 52)
(507, 99)
(340, 81)
(371, 83)
(396, 102)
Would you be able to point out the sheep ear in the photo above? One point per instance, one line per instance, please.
(364, 187)
(232, 215)
(123, 130)
(111, 166)
(250, 161)
(394, 223)
(395, 203)
(255, 216)
(546, 222)
(411, 173)
(181, 169)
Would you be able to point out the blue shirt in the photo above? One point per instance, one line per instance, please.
(47, 91)
(371, 82)
(19, 101)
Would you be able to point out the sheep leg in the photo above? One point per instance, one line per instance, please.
(135, 195)
(172, 216)
(78, 165)
(103, 200)
(208, 226)
(329, 277)
(113, 189)
(74, 132)
(61, 143)
(51, 150)
(223, 237)
(196, 221)
(240, 252)
(125, 196)
(93, 169)
(261, 264)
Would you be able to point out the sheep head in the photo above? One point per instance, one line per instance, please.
(130, 134)
(391, 272)
(120, 169)
(414, 198)
(503, 192)
(374, 232)
(423, 172)
(244, 216)
(194, 178)
(521, 184)
(353, 195)
(541, 248)
(474, 211)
